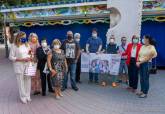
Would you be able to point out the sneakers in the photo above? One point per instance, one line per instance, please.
(29, 100)
(75, 88)
(60, 95)
(143, 96)
(57, 97)
(114, 84)
(24, 101)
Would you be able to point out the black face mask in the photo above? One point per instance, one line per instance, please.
(70, 37)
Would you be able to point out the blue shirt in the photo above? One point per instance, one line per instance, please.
(94, 44)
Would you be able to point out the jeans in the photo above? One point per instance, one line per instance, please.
(123, 67)
(133, 74)
(144, 77)
(72, 72)
(93, 75)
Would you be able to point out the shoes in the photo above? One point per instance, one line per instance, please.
(143, 96)
(78, 82)
(43, 94)
(36, 93)
(139, 93)
(96, 82)
(24, 101)
(51, 91)
(114, 84)
(60, 95)
(63, 88)
(75, 88)
(29, 100)
(57, 97)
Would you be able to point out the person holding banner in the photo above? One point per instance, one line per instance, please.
(123, 70)
(42, 64)
(20, 54)
(94, 45)
(112, 48)
(132, 53)
(147, 52)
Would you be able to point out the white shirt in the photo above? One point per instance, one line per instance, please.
(133, 52)
(20, 52)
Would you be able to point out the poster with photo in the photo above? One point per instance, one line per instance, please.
(100, 63)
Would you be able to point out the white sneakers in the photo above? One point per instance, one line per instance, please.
(25, 101)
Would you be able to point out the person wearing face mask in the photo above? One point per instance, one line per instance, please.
(20, 54)
(78, 69)
(34, 44)
(94, 45)
(146, 53)
(123, 70)
(72, 53)
(132, 52)
(58, 66)
(112, 48)
(41, 54)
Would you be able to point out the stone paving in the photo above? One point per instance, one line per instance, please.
(90, 99)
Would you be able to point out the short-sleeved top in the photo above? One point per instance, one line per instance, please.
(147, 52)
(122, 49)
(71, 51)
(112, 48)
(94, 44)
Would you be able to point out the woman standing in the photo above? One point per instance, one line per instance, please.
(34, 44)
(21, 57)
(57, 65)
(132, 53)
(147, 52)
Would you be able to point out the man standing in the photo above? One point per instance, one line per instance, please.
(72, 53)
(93, 45)
(78, 69)
(112, 48)
(123, 71)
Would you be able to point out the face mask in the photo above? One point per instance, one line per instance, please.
(112, 40)
(70, 37)
(143, 42)
(94, 35)
(135, 41)
(56, 46)
(77, 40)
(44, 44)
(23, 40)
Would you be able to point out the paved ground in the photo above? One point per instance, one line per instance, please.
(91, 99)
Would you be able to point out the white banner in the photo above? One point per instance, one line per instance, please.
(100, 63)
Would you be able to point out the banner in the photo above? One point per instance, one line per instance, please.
(100, 63)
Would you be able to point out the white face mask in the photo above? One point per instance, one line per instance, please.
(56, 46)
(94, 35)
(112, 41)
(143, 42)
(77, 40)
(44, 44)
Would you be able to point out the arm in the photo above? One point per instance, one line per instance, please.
(87, 48)
(49, 58)
(100, 46)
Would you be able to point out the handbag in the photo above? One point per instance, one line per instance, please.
(30, 69)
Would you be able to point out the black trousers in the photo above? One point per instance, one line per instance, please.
(45, 79)
(78, 71)
(133, 74)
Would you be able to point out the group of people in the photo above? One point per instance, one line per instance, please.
(57, 62)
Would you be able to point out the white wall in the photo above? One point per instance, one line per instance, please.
(130, 13)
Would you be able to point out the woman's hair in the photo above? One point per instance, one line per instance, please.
(150, 39)
(32, 35)
(56, 41)
(19, 35)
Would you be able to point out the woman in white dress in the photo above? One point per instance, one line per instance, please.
(20, 54)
